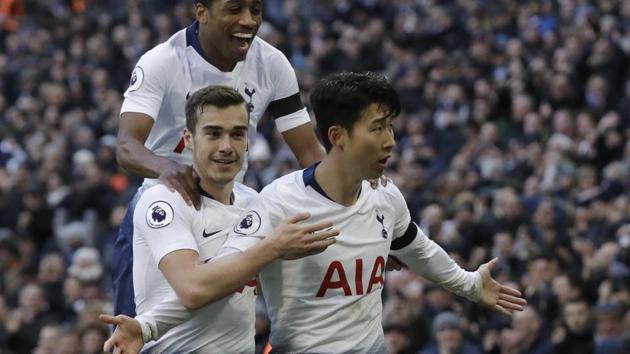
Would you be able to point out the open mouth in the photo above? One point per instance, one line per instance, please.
(383, 161)
(244, 39)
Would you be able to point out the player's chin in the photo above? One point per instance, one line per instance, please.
(240, 52)
(376, 173)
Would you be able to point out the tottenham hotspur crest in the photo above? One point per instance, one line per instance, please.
(248, 224)
(250, 96)
(381, 219)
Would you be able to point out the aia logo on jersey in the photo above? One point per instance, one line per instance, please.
(381, 218)
(159, 214)
(336, 278)
(250, 96)
(249, 224)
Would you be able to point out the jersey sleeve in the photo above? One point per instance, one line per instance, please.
(258, 222)
(286, 106)
(402, 227)
(164, 222)
(148, 84)
(426, 257)
(168, 313)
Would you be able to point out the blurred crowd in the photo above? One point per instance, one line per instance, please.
(513, 143)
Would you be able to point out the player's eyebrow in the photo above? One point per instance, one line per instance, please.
(379, 120)
(211, 127)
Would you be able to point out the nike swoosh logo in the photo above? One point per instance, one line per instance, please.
(208, 234)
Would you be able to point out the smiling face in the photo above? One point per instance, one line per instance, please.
(227, 29)
(218, 143)
(369, 144)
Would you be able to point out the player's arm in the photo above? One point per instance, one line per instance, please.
(304, 144)
(290, 115)
(131, 154)
(134, 157)
(429, 260)
(143, 99)
(198, 284)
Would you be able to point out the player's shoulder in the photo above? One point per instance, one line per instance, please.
(390, 191)
(287, 185)
(267, 54)
(243, 194)
(160, 193)
(165, 54)
(158, 206)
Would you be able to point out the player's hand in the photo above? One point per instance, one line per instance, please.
(393, 263)
(496, 296)
(384, 180)
(183, 179)
(127, 338)
(293, 239)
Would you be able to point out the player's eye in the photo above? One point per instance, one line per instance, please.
(214, 134)
(256, 10)
(233, 9)
(238, 135)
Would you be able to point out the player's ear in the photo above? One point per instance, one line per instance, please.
(188, 139)
(201, 13)
(336, 136)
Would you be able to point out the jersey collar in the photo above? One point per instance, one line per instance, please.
(192, 40)
(309, 180)
(308, 175)
(207, 195)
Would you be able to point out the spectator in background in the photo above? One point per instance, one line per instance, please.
(576, 333)
(448, 329)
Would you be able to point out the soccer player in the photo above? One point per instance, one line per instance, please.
(331, 302)
(173, 243)
(219, 48)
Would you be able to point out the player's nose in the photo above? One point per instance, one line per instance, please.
(247, 20)
(225, 144)
(390, 140)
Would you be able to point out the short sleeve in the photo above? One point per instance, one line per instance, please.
(164, 222)
(286, 106)
(148, 84)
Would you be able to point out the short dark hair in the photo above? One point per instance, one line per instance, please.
(340, 99)
(218, 96)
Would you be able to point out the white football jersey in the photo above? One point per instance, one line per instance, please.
(168, 74)
(329, 302)
(164, 223)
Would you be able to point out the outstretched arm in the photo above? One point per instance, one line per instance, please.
(429, 260)
(197, 285)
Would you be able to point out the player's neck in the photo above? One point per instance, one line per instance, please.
(220, 192)
(214, 56)
(338, 180)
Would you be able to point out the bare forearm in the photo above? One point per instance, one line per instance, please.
(222, 277)
(311, 155)
(135, 158)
